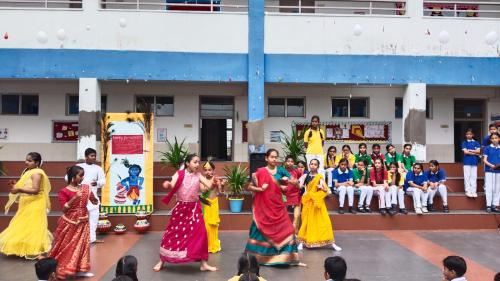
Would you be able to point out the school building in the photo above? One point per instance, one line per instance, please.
(226, 76)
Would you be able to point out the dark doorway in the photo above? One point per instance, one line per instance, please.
(468, 114)
(216, 115)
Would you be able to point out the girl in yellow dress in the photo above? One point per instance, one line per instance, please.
(316, 229)
(27, 235)
(211, 212)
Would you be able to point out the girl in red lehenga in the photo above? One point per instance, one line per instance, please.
(72, 237)
(185, 239)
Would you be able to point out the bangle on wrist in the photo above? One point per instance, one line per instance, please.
(67, 205)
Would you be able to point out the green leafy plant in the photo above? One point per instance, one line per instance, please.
(236, 177)
(175, 154)
(293, 144)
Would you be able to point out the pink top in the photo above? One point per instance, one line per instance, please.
(188, 192)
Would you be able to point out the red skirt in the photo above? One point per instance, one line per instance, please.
(185, 238)
(292, 196)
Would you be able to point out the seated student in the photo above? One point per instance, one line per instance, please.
(330, 164)
(393, 156)
(347, 154)
(396, 194)
(378, 177)
(376, 153)
(454, 268)
(46, 269)
(407, 159)
(248, 267)
(127, 265)
(363, 155)
(416, 186)
(437, 178)
(336, 269)
(361, 177)
(343, 184)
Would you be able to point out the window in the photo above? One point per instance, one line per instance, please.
(161, 105)
(398, 108)
(350, 107)
(286, 107)
(72, 107)
(19, 104)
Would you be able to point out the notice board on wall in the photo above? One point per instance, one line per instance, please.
(64, 131)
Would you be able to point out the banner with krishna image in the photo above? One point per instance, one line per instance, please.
(127, 157)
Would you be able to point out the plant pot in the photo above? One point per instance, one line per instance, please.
(235, 204)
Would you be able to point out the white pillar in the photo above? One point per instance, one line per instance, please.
(414, 127)
(415, 8)
(89, 106)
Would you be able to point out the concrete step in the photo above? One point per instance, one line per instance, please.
(373, 221)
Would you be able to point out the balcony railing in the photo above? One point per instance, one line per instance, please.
(41, 4)
(177, 5)
(462, 9)
(339, 7)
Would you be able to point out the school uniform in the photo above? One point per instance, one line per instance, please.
(363, 157)
(315, 147)
(440, 178)
(366, 191)
(419, 197)
(350, 158)
(395, 194)
(374, 156)
(492, 177)
(408, 161)
(486, 141)
(389, 158)
(380, 190)
(343, 176)
(329, 167)
(470, 167)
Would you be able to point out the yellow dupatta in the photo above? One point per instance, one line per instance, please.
(313, 194)
(26, 176)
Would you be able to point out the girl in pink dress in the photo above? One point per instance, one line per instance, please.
(185, 238)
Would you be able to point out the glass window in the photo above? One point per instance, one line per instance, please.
(72, 105)
(104, 104)
(29, 105)
(469, 109)
(398, 108)
(10, 104)
(276, 107)
(340, 107)
(428, 108)
(359, 107)
(295, 107)
(142, 101)
(164, 106)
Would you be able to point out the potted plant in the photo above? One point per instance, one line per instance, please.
(236, 177)
(293, 144)
(174, 155)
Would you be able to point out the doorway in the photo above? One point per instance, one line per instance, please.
(468, 114)
(216, 114)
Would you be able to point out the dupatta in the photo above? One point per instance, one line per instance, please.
(44, 187)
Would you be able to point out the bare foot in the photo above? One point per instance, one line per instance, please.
(206, 267)
(98, 241)
(302, 264)
(158, 266)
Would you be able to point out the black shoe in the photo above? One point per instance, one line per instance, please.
(341, 210)
(352, 210)
(367, 209)
(383, 212)
(495, 210)
(392, 212)
(488, 210)
(361, 210)
(403, 211)
(394, 206)
(430, 208)
(446, 209)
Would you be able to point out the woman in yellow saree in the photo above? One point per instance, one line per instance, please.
(316, 228)
(27, 235)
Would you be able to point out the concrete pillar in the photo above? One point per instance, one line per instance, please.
(256, 97)
(414, 127)
(89, 106)
(415, 8)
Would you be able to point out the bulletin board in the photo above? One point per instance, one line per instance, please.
(353, 132)
(64, 131)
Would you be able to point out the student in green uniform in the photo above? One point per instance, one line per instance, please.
(393, 156)
(408, 159)
(361, 177)
(363, 155)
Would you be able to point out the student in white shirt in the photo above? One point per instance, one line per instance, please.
(95, 178)
(454, 268)
(45, 269)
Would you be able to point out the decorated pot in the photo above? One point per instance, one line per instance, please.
(141, 226)
(120, 229)
(103, 226)
(103, 216)
(142, 215)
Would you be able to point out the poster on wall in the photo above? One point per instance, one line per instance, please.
(127, 154)
(64, 131)
(352, 132)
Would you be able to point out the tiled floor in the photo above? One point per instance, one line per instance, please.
(371, 255)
